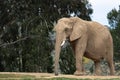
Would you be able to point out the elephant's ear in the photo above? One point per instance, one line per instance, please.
(79, 29)
(76, 33)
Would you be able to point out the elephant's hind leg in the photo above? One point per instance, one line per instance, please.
(111, 66)
(97, 68)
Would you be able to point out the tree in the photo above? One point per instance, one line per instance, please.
(114, 21)
(80, 8)
(23, 35)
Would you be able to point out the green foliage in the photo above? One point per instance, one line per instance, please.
(67, 60)
(114, 21)
(30, 50)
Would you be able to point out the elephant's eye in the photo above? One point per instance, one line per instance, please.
(67, 31)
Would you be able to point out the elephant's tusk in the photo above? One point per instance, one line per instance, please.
(63, 43)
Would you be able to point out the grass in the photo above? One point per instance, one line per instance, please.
(16, 77)
(74, 79)
(30, 77)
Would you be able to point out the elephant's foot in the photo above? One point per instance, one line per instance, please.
(112, 74)
(78, 73)
(56, 74)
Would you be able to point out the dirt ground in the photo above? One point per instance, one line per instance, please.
(48, 75)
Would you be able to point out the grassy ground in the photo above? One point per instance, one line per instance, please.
(36, 76)
(16, 77)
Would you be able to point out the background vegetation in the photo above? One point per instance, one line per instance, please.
(27, 39)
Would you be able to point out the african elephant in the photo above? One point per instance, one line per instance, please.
(87, 38)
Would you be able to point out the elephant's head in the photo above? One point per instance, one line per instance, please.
(66, 28)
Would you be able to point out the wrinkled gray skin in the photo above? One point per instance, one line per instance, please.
(87, 38)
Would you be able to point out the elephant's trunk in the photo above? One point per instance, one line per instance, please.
(57, 52)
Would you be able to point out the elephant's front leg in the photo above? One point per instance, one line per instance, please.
(79, 66)
(79, 60)
(79, 48)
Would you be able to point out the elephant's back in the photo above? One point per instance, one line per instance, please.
(97, 30)
(98, 33)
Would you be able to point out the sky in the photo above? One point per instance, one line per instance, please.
(101, 8)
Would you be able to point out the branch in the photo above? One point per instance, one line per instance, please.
(22, 39)
(6, 44)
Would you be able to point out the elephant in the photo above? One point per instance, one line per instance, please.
(88, 39)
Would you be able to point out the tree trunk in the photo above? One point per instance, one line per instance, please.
(20, 50)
